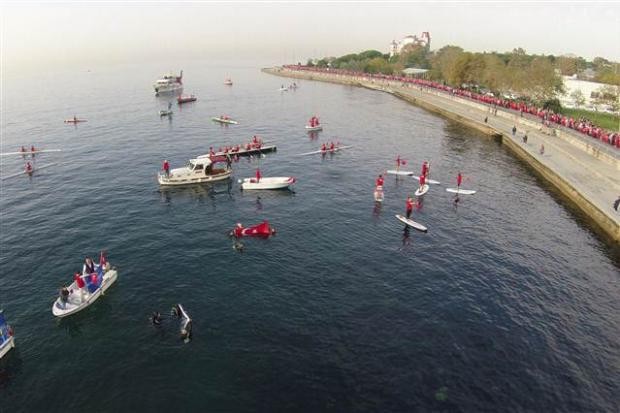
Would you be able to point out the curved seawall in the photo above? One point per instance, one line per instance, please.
(584, 171)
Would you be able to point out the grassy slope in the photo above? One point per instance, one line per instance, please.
(605, 120)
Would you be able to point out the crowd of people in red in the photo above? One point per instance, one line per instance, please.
(546, 116)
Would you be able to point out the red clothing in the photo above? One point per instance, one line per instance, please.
(410, 204)
(379, 181)
(459, 179)
(79, 280)
(166, 166)
(258, 175)
(422, 180)
(424, 168)
(238, 232)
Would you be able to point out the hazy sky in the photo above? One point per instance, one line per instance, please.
(36, 35)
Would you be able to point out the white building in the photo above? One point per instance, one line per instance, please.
(588, 89)
(424, 40)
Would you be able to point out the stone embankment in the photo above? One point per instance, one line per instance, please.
(584, 170)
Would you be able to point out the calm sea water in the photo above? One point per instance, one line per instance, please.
(510, 302)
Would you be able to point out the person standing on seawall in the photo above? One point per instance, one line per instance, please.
(616, 203)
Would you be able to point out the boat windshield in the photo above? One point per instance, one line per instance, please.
(190, 165)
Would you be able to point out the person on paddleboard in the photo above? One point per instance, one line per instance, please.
(459, 180)
(28, 168)
(379, 181)
(425, 169)
(332, 146)
(323, 147)
(422, 181)
(258, 175)
(23, 149)
(409, 206)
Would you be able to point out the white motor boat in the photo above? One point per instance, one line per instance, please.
(197, 171)
(7, 341)
(78, 299)
(228, 82)
(276, 182)
(169, 83)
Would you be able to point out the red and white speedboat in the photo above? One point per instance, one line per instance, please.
(262, 230)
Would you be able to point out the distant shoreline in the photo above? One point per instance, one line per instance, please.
(594, 197)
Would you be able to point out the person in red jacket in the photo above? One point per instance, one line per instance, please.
(258, 175)
(459, 180)
(379, 181)
(422, 181)
(79, 281)
(409, 205)
(166, 168)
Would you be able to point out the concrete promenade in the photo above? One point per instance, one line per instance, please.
(586, 171)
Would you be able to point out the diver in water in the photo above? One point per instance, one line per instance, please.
(238, 246)
(156, 318)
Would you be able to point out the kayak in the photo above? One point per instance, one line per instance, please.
(403, 173)
(461, 191)
(314, 128)
(76, 303)
(339, 148)
(280, 182)
(422, 190)
(75, 120)
(430, 181)
(30, 152)
(412, 223)
(226, 121)
(262, 230)
(379, 193)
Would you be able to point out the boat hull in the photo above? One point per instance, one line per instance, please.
(268, 183)
(7, 346)
(167, 90)
(74, 303)
(245, 152)
(188, 179)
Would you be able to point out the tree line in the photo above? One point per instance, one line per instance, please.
(536, 78)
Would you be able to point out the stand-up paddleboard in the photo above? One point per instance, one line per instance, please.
(430, 181)
(30, 152)
(75, 120)
(412, 223)
(314, 128)
(226, 121)
(379, 193)
(422, 190)
(402, 173)
(461, 191)
(339, 148)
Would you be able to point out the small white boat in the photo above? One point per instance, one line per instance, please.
(7, 341)
(197, 171)
(225, 120)
(422, 190)
(430, 181)
(276, 182)
(228, 82)
(379, 193)
(76, 302)
(401, 173)
(165, 113)
(459, 191)
(314, 128)
(283, 89)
